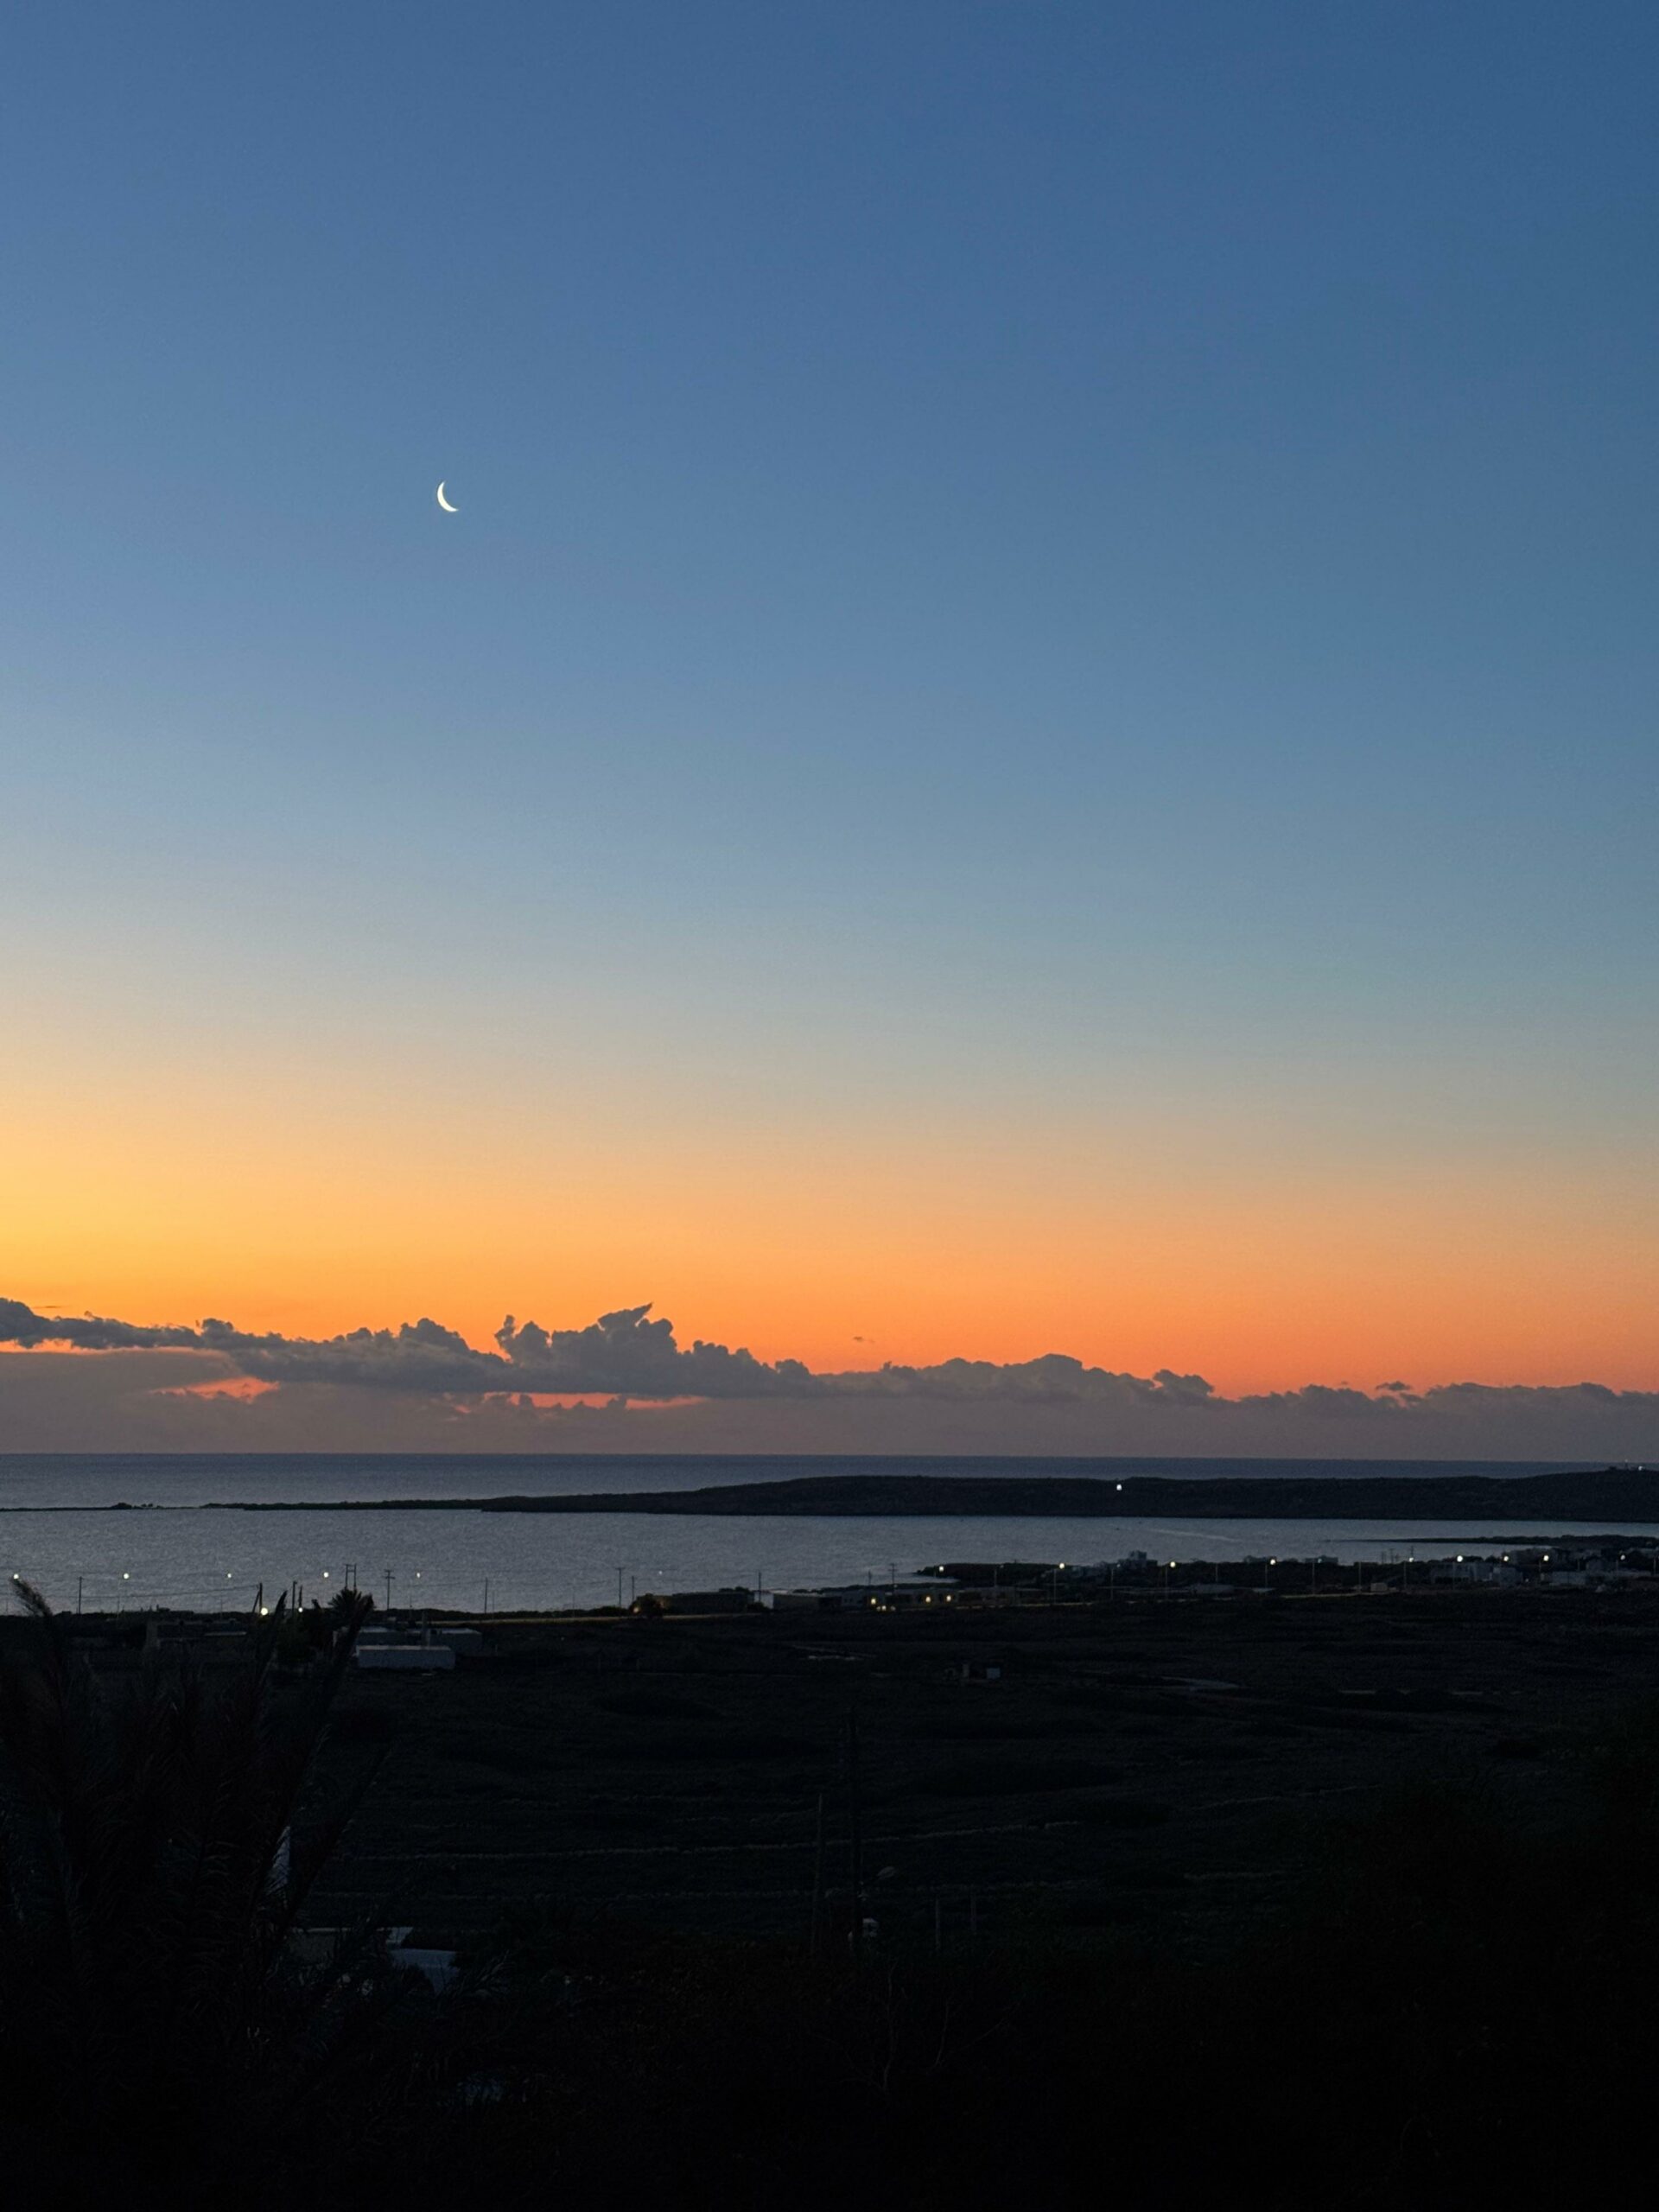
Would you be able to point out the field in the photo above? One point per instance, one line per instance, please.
(1158, 1766)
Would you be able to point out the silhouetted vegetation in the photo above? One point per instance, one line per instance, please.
(157, 2027)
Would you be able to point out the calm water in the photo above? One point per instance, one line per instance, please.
(176, 1554)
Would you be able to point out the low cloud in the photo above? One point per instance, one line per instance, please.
(20, 1324)
(629, 1356)
(625, 1355)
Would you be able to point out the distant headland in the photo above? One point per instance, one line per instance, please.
(1610, 1494)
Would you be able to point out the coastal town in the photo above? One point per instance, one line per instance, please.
(1566, 1563)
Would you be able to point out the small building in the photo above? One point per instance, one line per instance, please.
(733, 1600)
(435, 1962)
(411, 1948)
(1487, 1573)
(906, 1593)
(405, 1658)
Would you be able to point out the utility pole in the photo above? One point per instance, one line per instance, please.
(79, 1580)
(619, 1589)
(815, 1929)
(486, 1596)
(854, 1839)
(389, 1582)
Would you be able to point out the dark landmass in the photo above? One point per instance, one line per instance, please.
(1613, 1496)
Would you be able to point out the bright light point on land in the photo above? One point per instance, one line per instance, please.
(125, 1577)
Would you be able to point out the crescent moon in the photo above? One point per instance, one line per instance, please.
(445, 505)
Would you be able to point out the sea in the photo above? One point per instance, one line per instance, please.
(107, 1532)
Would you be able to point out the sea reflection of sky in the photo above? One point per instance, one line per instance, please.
(219, 1558)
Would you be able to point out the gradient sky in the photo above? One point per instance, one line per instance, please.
(1036, 731)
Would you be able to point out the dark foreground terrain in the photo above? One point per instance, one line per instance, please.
(1165, 1767)
(1296, 1901)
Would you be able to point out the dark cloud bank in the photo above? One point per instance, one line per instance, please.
(625, 1354)
(422, 1384)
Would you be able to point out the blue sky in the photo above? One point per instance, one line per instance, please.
(1099, 556)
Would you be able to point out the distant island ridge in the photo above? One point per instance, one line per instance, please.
(1608, 1494)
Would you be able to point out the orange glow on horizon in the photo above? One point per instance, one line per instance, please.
(1262, 1259)
(241, 1387)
